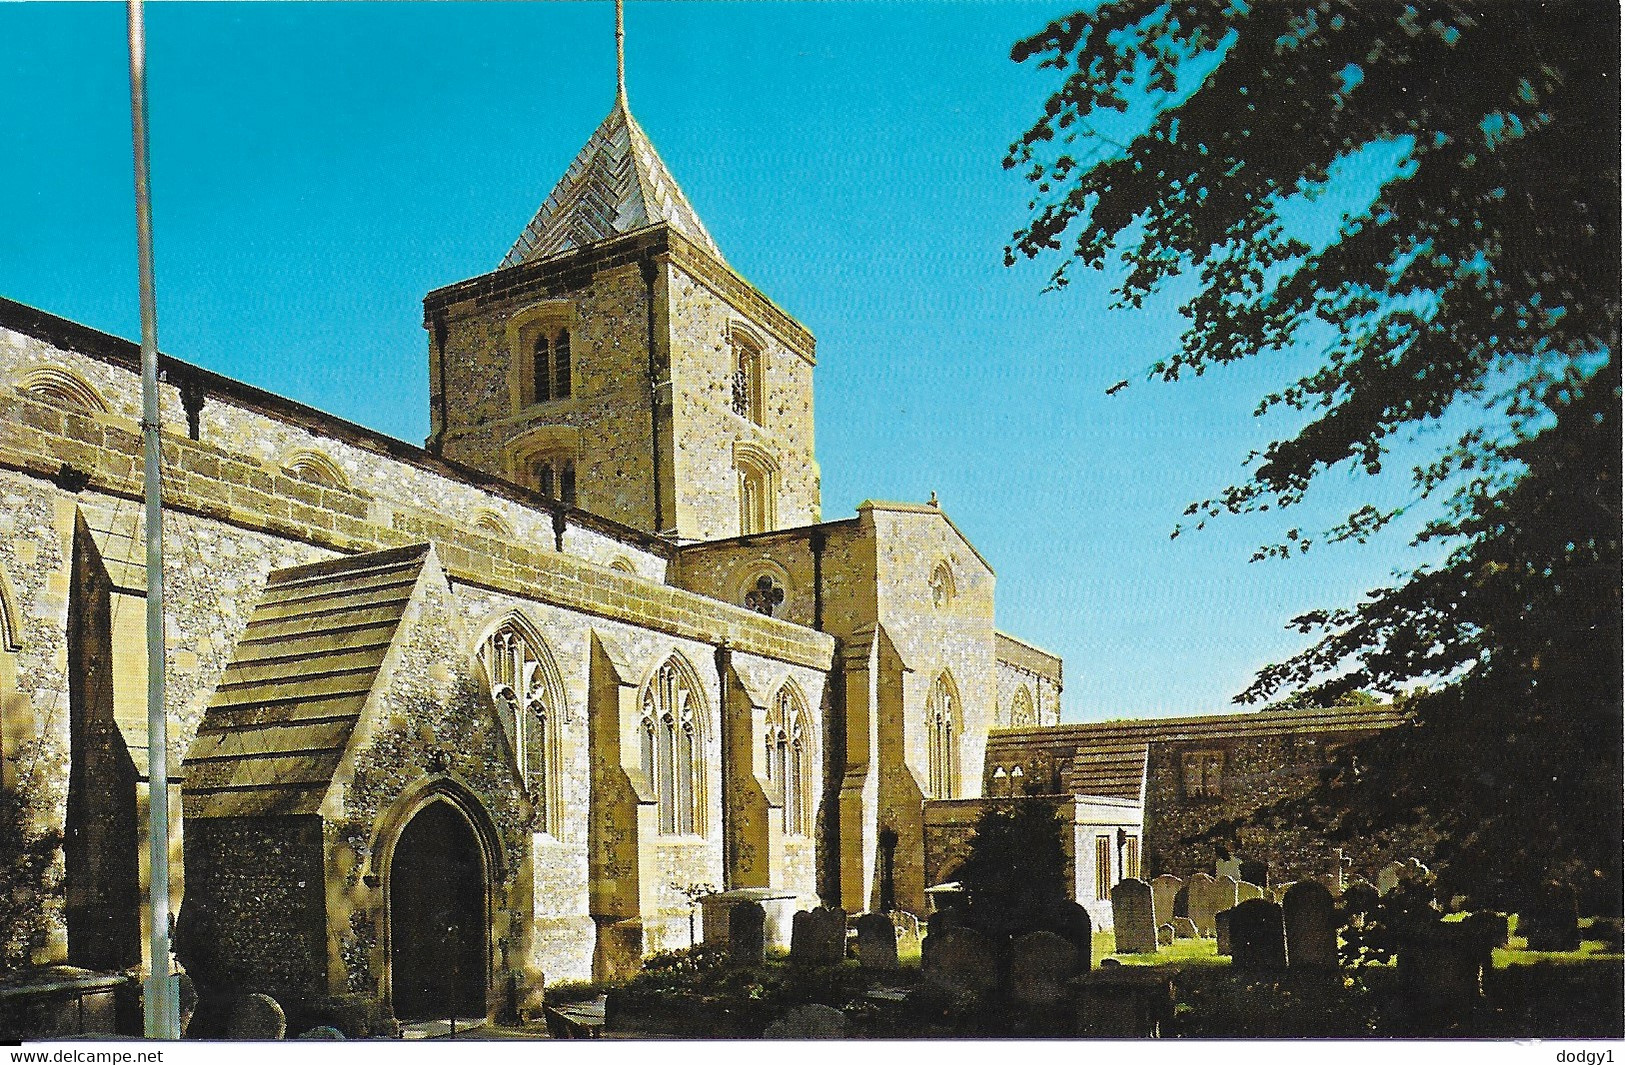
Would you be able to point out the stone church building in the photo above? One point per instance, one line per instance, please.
(450, 723)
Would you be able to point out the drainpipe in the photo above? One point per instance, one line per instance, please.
(724, 660)
(816, 542)
(649, 270)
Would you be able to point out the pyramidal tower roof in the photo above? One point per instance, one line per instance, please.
(617, 183)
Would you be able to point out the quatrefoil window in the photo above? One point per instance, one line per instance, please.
(765, 597)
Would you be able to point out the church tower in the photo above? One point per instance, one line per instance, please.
(616, 362)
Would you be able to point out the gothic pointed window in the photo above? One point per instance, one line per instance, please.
(541, 370)
(673, 749)
(561, 365)
(745, 384)
(1021, 709)
(789, 760)
(529, 695)
(943, 723)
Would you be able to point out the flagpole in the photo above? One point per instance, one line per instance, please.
(162, 1005)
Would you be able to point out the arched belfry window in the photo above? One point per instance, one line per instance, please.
(942, 725)
(790, 759)
(561, 365)
(541, 368)
(528, 692)
(550, 366)
(673, 748)
(555, 477)
(746, 381)
(758, 488)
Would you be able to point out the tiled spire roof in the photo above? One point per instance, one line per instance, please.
(617, 184)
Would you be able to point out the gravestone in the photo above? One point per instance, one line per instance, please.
(960, 960)
(1246, 890)
(1133, 925)
(907, 927)
(1184, 928)
(1124, 1002)
(1163, 890)
(256, 1016)
(810, 1021)
(944, 919)
(1071, 921)
(1311, 927)
(1389, 876)
(1182, 901)
(747, 922)
(1227, 867)
(1221, 932)
(818, 937)
(1552, 921)
(1441, 967)
(877, 941)
(1227, 892)
(1255, 872)
(1257, 936)
(1203, 902)
(1041, 963)
(1165, 935)
(1490, 927)
(321, 1031)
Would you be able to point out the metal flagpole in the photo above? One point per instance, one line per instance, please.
(162, 998)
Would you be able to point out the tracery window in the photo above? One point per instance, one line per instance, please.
(1203, 774)
(789, 760)
(942, 724)
(765, 596)
(673, 749)
(526, 687)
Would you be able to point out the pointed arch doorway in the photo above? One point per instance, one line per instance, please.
(439, 918)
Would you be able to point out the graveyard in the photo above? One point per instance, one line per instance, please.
(1214, 957)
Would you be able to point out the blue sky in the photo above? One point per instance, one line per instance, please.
(317, 168)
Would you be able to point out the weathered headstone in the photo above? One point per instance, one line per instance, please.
(1389, 876)
(1255, 872)
(812, 1020)
(1310, 916)
(907, 927)
(1072, 922)
(818, 937)
(1246, 890)
(1165, 935)
(1182, 901)
(1203, 901)
(1163, 890)
(1441, 966)
(1133, 925)
(1227, 867)
(877, 941)
(257, 1016)
(1257, 936)
(1041, 963)
(1552, 920)
(1185, 928)
(960, 959)
(747, 923)
(1124, 1002)
(1226, 893)
(1221, 932)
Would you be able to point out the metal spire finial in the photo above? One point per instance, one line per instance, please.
(620, 54)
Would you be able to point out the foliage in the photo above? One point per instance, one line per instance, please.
(28, 870)
(1375, 926)
(1474, 302)
(1015, 875)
